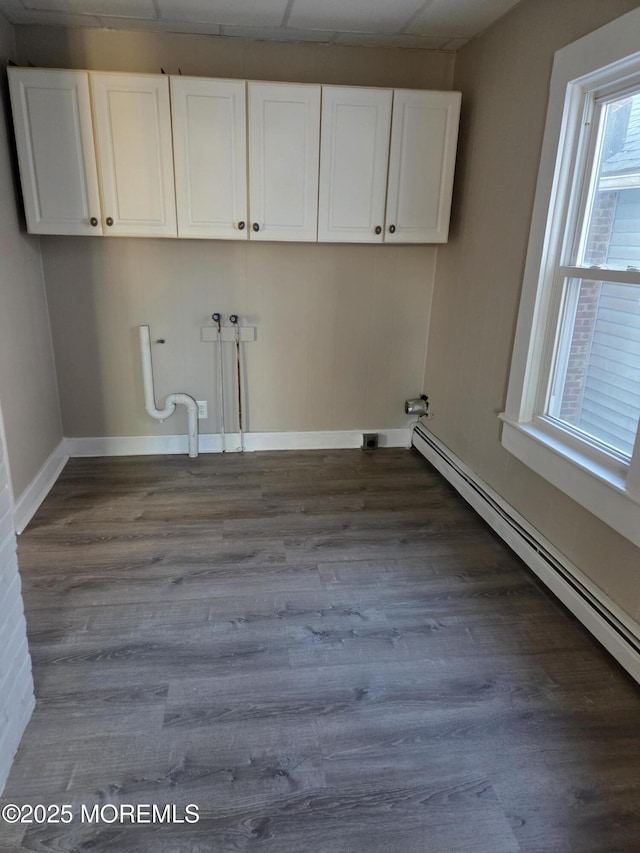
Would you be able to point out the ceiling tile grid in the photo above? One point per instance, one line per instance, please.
(374, 16)
(143, 9)
(161, 25)
(460, 19)
(415, 24)
(278, 34)
(249, 13)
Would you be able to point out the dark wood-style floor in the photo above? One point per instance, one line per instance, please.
(326, 652)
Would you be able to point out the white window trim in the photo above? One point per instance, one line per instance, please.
(600, 484)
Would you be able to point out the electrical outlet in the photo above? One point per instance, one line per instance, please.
(202, 409)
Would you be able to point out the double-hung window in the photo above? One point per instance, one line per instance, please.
(573, 406)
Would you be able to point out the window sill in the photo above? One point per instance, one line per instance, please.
(596, 487)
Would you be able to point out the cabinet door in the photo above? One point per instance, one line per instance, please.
(133, 139)
(210, 156)
(354, 153)
(284, 139)
(54, 137)
(421, 164)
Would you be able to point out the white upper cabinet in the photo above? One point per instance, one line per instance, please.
(354, 154)
(421, 164)
(132, 118)
(145, 155)
(54, 137)
(284, 133)
(210, 156)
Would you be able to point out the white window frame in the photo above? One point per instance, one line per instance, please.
(603, 482)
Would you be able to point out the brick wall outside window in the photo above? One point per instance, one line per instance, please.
(586, 311)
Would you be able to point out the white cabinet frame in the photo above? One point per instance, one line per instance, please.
(422, 156)
(132, 117)
(146, 155)
(210, 157)
(354, 152)
(284, 142)
(56, 154)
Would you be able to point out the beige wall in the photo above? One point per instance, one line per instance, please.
(212, 56)
(504, 78)
(340, 332)
(27, 374)
(341, 329)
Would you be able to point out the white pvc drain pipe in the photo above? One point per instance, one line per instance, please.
(171, 401)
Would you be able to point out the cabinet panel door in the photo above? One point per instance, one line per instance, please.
(210, 154)
(54, 136)
(284, 139)
(354, 154)
(421, 165)
(133, 140)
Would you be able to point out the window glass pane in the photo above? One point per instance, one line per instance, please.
(596, 386)
(610, 233)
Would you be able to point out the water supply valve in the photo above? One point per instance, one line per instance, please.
(417, 406)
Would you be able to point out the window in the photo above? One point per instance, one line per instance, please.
(573, 406)
(595, 378)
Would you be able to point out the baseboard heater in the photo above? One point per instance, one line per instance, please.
(597, 612)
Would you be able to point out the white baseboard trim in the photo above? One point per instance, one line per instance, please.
(144, 445)
(37, 490)
(608, 623)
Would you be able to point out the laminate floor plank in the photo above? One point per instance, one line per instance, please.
(325, 651)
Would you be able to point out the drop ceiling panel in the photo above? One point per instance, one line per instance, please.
(278, 34)
(378, 40)
(371, 16)
(16, 13)
(119, 8)
(253, 13)
(160, 26)
(55, 19)
(459, 18)
(417, 24)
